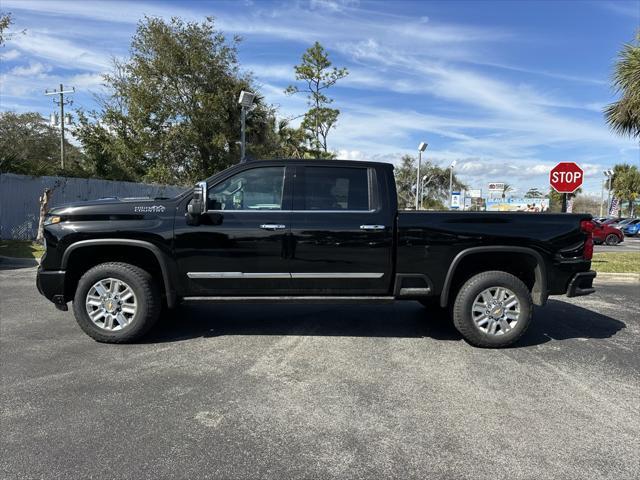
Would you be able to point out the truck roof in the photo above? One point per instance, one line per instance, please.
(321, 161)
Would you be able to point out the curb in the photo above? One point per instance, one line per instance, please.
(605, 277)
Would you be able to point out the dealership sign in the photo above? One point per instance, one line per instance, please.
(566, 177)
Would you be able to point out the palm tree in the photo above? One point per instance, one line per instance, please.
(506, 189)
(626, 184)
(624, 115)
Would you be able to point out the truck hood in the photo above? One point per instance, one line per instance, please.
(127, 207)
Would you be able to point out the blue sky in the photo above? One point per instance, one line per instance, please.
(507, 89)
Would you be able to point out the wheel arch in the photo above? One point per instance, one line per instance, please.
(539, 290)
(162, 262)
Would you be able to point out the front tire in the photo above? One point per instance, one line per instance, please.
(612, 239)
(492, 309)
(116, 302)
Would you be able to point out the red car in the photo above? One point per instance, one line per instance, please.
(606, 234)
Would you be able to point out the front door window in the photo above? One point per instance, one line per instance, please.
(254, 189)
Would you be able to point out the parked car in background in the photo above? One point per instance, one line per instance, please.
(622, 223)
(603, 233)
(632, 228)
(611, 221)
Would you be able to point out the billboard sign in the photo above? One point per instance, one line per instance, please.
(455, 200)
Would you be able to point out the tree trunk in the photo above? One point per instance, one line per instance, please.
(44, 207)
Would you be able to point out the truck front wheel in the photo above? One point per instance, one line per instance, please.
(116, 302)
(492, 309)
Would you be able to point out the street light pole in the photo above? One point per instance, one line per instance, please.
(609, 175)
(421, 148)
(246, 102)
(453, 164)
(243, 120)
(601, 197)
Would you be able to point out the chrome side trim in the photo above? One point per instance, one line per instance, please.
(211, 275)
(237, 275)
(266, 210)
(293, 299)
(337, 275)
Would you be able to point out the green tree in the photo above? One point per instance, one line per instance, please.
(436, 184)
(172, 115)
(534, 193)
(626, 184)
(624, 115)
(29, 146)
(6, 20)
(555, 199)
(317, 75)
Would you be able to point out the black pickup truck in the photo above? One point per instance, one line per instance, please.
(307, 231)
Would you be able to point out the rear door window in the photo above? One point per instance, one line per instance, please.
(335, 189)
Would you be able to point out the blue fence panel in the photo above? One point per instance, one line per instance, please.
(19, 194)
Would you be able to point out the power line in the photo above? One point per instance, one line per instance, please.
(61, 102)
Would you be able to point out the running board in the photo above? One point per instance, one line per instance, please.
(291, 299)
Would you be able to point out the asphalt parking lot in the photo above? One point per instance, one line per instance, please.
(319, 391)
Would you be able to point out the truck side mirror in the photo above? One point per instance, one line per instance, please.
(198, 204)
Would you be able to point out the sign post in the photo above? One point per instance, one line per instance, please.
(566, 178)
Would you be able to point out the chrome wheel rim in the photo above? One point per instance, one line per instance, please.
(495, 311)
(111, 304)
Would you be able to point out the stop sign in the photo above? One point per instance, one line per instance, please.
(566, 177)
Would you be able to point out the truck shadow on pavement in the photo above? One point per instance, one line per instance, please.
(558, 320)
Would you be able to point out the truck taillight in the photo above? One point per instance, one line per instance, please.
(587, 227)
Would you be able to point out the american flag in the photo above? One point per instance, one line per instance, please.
(615, 207)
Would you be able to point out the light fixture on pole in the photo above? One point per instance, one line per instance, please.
(609, 174)
(421, 148)
(453, 164)
(246, 102)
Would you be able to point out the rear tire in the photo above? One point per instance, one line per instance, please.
(612, 239)
(492, 309)
(123, 300)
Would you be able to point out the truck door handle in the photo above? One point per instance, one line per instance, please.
(272, 226)
(372, 227)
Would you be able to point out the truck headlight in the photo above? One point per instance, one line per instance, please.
(52, 219)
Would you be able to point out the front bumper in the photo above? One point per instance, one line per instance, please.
(581, 284)
(50, 284)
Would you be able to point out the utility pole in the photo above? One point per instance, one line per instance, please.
(61, 102)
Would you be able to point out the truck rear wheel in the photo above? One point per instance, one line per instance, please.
(116, 302)
(492, 309)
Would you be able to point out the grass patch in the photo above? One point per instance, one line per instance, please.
(613, 262)
(21, 249)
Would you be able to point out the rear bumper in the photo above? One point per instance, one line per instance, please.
(51, 285)
(581, 284)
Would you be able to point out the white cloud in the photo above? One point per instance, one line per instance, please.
(10, 55)
(61, 52)
(31, 70)
(88, 81)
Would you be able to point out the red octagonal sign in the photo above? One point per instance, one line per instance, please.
(566, 177)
